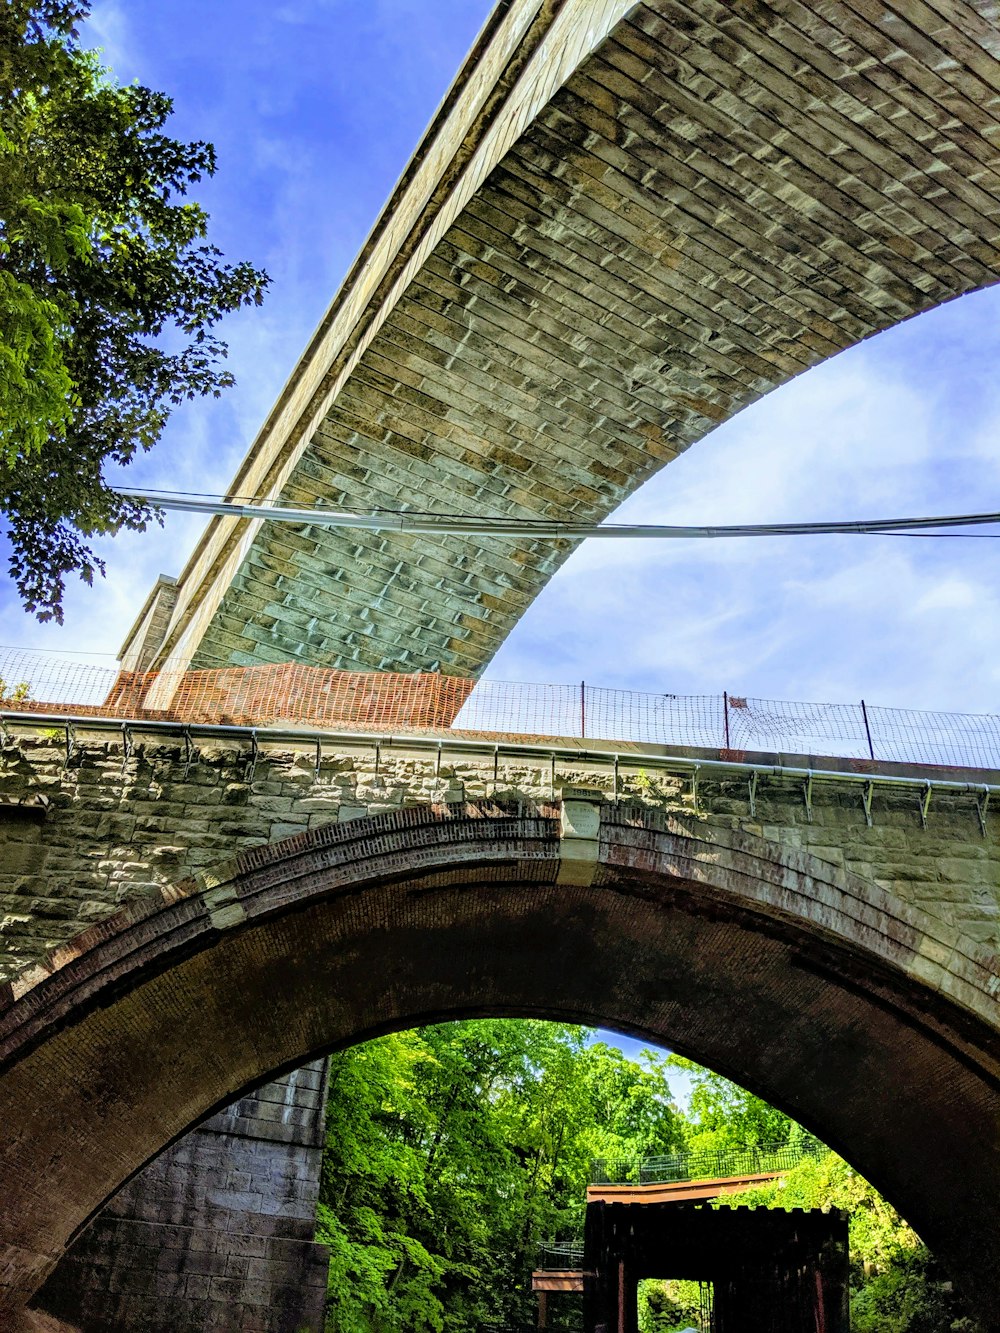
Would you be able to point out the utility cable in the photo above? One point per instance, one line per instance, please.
(405, 521)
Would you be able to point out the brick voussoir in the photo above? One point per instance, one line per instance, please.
(148, 936)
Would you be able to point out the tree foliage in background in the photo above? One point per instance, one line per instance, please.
(896, 1287)
(452, 1151)
(108, 291)
(722, 1117)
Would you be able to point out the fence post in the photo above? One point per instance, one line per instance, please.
(868, 730)
(725, 706)
(583, 710)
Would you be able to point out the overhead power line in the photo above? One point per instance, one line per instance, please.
(463, 525)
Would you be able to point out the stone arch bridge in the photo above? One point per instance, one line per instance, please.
(627, 222)
(282, 899)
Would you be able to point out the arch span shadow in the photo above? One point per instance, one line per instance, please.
(873, 1024)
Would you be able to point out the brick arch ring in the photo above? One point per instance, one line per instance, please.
(873, 1023)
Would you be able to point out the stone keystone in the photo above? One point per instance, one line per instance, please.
(579, 836)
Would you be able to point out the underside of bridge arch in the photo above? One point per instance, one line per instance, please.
(814, 988)
(629, 222)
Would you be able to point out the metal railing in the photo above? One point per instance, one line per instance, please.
(736, 724)
(763, 1159)
(667, 1168)
(294, 693)
(561, 1255)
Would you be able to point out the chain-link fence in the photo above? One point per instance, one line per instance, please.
(296, 694)
(594, 713)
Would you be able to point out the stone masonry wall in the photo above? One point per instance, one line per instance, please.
(120, 825)
(216, 1233)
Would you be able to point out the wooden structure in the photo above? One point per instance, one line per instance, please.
(773, 1271)
(548, 1280)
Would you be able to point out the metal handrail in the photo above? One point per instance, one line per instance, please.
(761, 1159)
(923, 777)
(560, 1255)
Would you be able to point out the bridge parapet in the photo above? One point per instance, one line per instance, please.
(95, 815)
(293, 693)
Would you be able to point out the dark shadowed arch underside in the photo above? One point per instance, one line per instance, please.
(871, 1023)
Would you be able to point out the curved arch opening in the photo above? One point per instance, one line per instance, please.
(903, 422)
(814, 989)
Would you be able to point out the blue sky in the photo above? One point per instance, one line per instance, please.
(315, 106)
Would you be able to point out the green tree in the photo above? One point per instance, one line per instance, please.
(668, 1307)
(374, 1187)
(896, 1286)
(630, 1114)
(723, 1116)
(109, 292)
(453, 1151)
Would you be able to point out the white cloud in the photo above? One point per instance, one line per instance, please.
(108, 28)
(901, 620)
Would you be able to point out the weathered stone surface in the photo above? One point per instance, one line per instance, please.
(216, 1233)
(112, 832)
(827, 991)
(629, 222)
